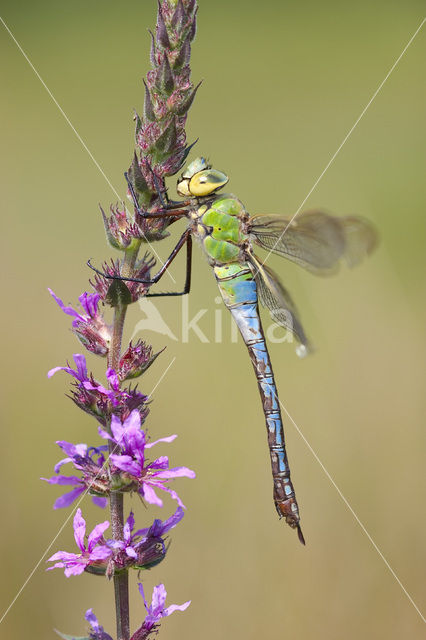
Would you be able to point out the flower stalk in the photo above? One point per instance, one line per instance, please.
(109, 471)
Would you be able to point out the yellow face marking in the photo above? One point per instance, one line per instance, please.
(183, 188)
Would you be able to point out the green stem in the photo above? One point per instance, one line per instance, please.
(121, 580)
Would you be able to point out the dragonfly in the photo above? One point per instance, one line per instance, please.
(228, 235)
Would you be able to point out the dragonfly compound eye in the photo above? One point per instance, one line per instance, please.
(206, 182)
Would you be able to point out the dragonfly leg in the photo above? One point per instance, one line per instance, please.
(184, 238)
(187, 285)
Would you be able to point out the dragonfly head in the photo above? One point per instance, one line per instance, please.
(199, 179)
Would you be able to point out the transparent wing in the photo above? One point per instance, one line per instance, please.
(274, 297)
(314, 239)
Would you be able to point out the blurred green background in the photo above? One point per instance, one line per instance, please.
(283, 84)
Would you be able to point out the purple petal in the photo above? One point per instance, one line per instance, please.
(153, 529)
(100, 553)
(173, 494)
(52, 372)
(64, 556)
(68, 310)
(117, 429)
(116, 544)
(131, 552)
(176, 472)
(150, 496)
(141, 591)
(159, 595)
(167, 439)
(68, 498)
(79, 529)
(126, 463)
(97, 534)
(89, 302)
(99, 501)
(136, 443)
(75, 569)
(62, 480)
(58, 565)
(112, 378)
(60, 464)
(80, 361)
(176, 607)
(159, 528)
(96, 387)
(92, 620)
(128, 527)
(133, 421)
(160, 463)
(72, 449)
(104, 434)
(80, 374)
(172, 521)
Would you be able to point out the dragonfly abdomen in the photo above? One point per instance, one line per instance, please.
(239, 292)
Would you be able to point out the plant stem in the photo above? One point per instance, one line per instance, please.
(121, 580)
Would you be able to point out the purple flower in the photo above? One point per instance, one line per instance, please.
(95, 480)
(96, 552)
(156, 611)
(90, 327)
(97, 631)
(129, 538)
(131, 440)
(144, 548)
(95, 399)
(80, 373)
(160, 527)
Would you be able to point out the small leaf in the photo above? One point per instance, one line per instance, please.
(183, 56)
(162, 35)
(148, 108)
(68, 637)
(118, 294)
(138, 122)
(153, 53)
(167, 140)
(164, 76)
(185, 105)
(136, 176)
(179, 15)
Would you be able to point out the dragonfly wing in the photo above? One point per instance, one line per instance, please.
(275, 297)
(360, 239)
(315, 240)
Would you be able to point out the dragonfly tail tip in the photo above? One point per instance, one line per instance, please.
(300, 535)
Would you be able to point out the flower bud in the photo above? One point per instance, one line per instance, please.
(121, 229)
(150, 553)
(136, 360)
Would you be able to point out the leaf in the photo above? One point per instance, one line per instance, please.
(118, 294)
(68, 637)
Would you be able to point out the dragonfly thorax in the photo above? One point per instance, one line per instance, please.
(200, 180)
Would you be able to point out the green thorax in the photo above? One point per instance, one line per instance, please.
(219, 227)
